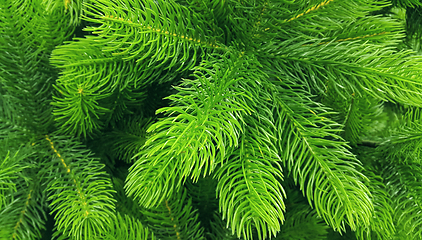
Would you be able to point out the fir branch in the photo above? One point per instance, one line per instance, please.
(309, 10)
(93, 77)
(412, 114)
(295, 18)
(406, 3)
(382, 225)
(25, 216)
(72, 8)
(387, 32)
(405, 144)
(208, 111)
(150, 184)
(320, 162)
(164, 30)
(339, 67)
(175, 219)
(355, 114)
(219, 14)
(27, 38)
(219, 229)
(52, 25)
(353, 123)
(200, 129)
(413, 27)
(303, 223)
(404, 187)
(96, 87)
(249, 189)
(10, 169)
(80, 194)
(128, 228)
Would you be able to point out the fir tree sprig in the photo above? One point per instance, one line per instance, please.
(404, 187)
(306, 134)
(81, 201)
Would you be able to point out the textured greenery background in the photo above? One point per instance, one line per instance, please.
(190, 119)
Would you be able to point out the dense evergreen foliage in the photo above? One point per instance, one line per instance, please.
(191, 119)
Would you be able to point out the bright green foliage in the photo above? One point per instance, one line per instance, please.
(355, 114)
(249, 187)
(346, 65)
(72, 8)
(303, 223)
(123, 227)
(21, 214)
(84, 84)
(133, 30)
(81, 201)
(404, 187)
(382, 224)
(191, 119)
(317, 158)
(24, 217)
(195, 140)
(10, 169)
(406, 144)
(175, 219)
